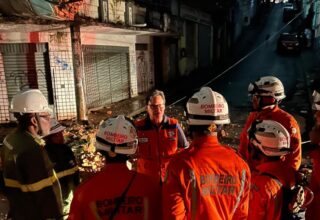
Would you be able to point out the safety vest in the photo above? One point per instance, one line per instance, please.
(31, 184)
(156, 147)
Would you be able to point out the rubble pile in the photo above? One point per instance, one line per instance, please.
(81, 139)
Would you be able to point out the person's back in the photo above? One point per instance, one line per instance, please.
(267, 184)
(97, 197)
(269, 140)
(117, 192)
(208, 181)
(216, 175)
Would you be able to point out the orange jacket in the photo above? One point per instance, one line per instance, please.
(158, 145)
(266, 196)
(284, 118)
(96, 198)
(208, 181)
(312, 212)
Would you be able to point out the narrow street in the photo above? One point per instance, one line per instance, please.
(68, 68)
(254, 55)
(261, 59)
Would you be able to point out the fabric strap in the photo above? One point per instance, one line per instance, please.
(121, 198)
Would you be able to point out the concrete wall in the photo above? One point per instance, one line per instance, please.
(90, 8)
(61, 63)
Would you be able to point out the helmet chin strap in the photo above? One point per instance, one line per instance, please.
(40, 130)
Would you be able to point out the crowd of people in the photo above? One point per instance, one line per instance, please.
(153, 171)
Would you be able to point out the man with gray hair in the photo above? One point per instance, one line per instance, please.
(160, 137)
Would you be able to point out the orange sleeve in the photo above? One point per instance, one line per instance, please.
(173, 205)
(243, 146)
(295, 157)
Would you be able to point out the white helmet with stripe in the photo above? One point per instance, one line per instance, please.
(117, 135)
(206, 107)
(270, 137)
(267, 86)
(29, 101)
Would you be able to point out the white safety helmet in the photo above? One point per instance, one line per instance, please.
(206, 107)
(270, 137)
(267, 86)
(117, 135)
(316, 100)
(29, 101)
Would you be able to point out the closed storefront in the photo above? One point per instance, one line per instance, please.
(25, 66)
(204, 47)
(106, 70)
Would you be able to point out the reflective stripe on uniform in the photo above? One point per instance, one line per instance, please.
(193, 194)
(242, 183)
(34, 187)
(6, 143)
(67, 172)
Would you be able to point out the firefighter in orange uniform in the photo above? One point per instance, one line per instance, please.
(160, 137)
(207, 181)
(313, 212)
(269, 140)
(267, 92)
(117, 192)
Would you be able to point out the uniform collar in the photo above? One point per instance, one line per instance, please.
(37, 139)
(164, 121)
(206, 140)
(269, 110)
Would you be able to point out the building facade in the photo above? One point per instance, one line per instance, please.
(86, 54)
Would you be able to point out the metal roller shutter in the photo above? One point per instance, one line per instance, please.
(26, 66)
(106, 75)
